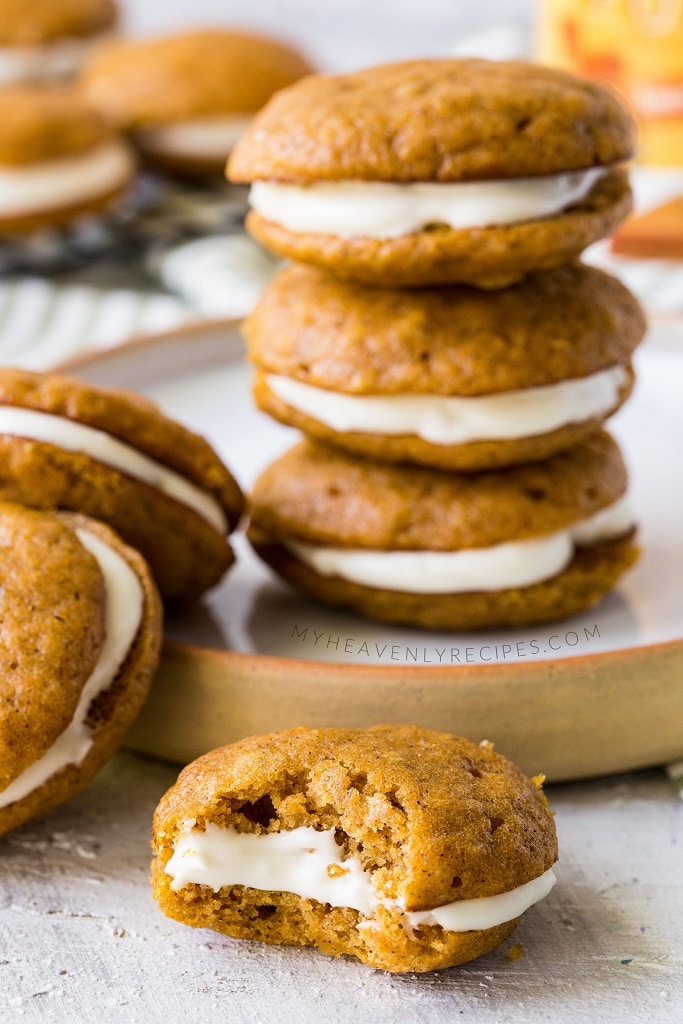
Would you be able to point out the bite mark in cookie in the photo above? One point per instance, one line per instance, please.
(407, 848)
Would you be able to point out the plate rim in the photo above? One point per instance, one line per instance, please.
(143, 340)
(266, 662)
(316, 666)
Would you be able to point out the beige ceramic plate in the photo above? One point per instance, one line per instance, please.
(601, 692)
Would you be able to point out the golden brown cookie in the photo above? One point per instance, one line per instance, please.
(58, 159)
(438, 550)
(187, 98)
(80, 620)
(431, 172)
(454, 377)
(114, 456)
(48, 40)
(27, 23)
(380, 843)
(471, 120)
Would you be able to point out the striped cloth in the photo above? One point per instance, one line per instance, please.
(43, 323)
(98, 294)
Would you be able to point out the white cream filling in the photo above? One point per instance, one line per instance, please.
(378, 209)
(61, 58)
(514, 564)
(123, 614)
(76, 437)
(448, 420)
(54, 184)
(205, 138)
(308, 863)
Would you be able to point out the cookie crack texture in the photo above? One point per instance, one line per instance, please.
(425, 819)
(439, 120)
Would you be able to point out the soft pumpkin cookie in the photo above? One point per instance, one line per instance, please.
(407, 848)
(115, 456)
(453, 377)
(437, 171)
(80, 634)
(59, 160)
(42, 40)
(186, 99)
(411, 545)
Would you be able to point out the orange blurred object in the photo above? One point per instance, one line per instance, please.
(636, 46)
(657, 234)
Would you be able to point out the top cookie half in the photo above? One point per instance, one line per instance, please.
(48, 40)
(429, 172)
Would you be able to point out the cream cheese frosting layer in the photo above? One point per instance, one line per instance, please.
(65, 182)
(448, 419)
(123, 615)
(378, 209)
(513, 564)
(206, 138)
(308, 863)
(59, 59)
(76, 437)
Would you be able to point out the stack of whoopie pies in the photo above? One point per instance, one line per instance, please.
(82, 109)
(449, 359)
(63, 169)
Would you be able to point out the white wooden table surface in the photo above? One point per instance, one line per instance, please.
(82, 941)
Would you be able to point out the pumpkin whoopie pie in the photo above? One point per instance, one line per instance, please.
(437, 171)
(48, 40)
(80, 632)
(419, 546)
(455, 377)
(407, 848)
(187, 98)
(115, 456)
(59, 160)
